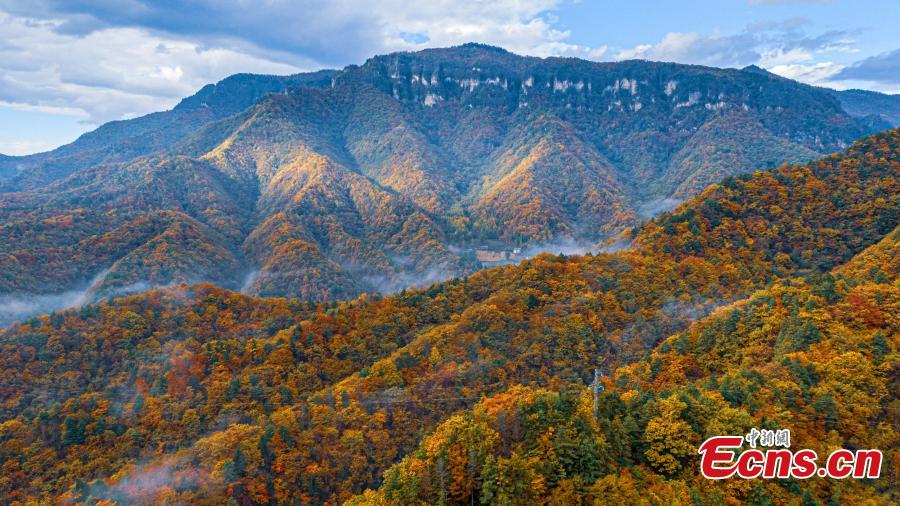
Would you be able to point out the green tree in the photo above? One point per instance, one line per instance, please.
(669, 437)
(72, 431)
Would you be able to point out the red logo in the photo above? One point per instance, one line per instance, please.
(721, 458)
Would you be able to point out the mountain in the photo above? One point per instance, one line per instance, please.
(123, 140)
(6, 166)
(880, 110)
(410, 168)
(767, 298)
(864, 103)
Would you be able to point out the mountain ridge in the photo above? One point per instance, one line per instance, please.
(399, 170)
(867, 104)
(208, 104)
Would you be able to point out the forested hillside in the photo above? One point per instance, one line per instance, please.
(392, 173)
(769, 298)
(816, 355)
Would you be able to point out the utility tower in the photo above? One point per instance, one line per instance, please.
(597, 389)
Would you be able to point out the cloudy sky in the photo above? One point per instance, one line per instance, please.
(68, 65)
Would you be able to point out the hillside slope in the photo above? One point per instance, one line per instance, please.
(816, 356)
(218, 394)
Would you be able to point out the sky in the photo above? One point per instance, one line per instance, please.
(67, 66)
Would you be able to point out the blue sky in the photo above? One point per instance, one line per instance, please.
(67, 66)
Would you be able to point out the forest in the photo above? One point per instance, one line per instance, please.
(768, 300)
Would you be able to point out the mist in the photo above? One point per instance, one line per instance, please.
(14, 308)
(18, 307)
(654, 207)
(561, 246)
(142, 484)
(387, 284)
(248, 281)
(21, 306)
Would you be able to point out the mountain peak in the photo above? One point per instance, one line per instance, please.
(239, 91)
(481, 46)
(754, 69)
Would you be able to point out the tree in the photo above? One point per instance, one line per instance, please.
(669, 437)
(796, 334)
(233, 469)
(72, 431)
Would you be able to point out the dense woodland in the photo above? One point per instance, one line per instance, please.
(817, 356)
(771, 299)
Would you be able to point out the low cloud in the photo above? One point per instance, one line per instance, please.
(143, 484)
(391, 283)
(24, 306)
(249, 281)
(560, 246)
(21, 306)
(654, 207)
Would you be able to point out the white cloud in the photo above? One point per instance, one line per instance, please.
(110, 63)
(766, 44)
(598, 52)
(873, 73)
(814, 73)
(108, 74)
(769, 58)
(46, 109)
(691, 47)
(108, 60)
(882, 69)
(333, 32)
(783, 49)
(519, 26)
(17, 147)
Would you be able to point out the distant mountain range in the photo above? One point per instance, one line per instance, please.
(871, 104)
(880, 110)
(389, 174)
